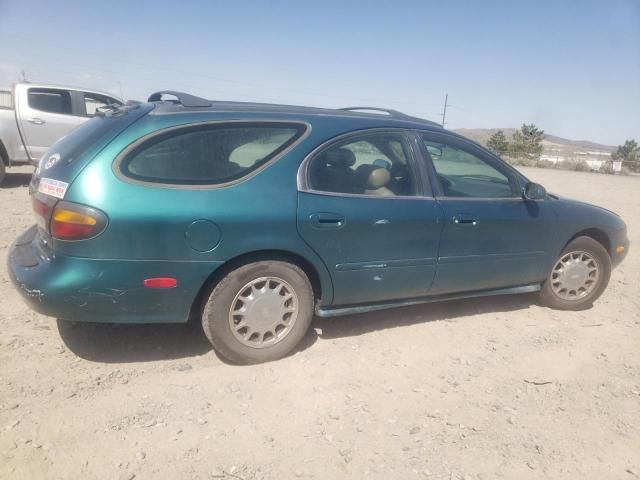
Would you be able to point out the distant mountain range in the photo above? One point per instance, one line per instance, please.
(551, 142)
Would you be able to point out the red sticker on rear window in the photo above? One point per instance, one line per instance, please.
(52, 187)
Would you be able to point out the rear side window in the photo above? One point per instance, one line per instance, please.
(208, 154)
(50, 100)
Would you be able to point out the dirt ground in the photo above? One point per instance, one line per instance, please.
(477, 389)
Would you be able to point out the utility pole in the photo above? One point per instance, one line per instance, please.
(444, 112)
(23, 74)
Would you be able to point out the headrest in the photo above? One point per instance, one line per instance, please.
(372, 176)
(340, 157)
(379, 162)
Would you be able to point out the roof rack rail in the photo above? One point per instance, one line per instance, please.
(393, 113)
(390, 112)
(183, 99)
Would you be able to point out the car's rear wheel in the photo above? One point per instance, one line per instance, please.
(578, 277)
(259, 312)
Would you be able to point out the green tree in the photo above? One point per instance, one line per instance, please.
(527, 142)
(628, 154)
(498, 143)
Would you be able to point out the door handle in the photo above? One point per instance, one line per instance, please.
(327, 220)
(465, 220)
(36, 121)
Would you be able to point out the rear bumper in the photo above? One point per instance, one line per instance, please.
(96, 290)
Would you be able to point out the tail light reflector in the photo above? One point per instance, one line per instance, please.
(161, 282)
(42, 206)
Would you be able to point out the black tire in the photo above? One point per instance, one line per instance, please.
(3, 170)
(216, 320)
(595, 249)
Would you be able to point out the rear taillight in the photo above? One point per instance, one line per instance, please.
(42, 206)
(71, 221)
(67, 220)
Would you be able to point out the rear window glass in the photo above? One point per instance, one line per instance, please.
(50, 100)
(90, 134)
(210, 154)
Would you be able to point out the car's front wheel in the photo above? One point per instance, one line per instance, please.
(259, 312)
(578, 277)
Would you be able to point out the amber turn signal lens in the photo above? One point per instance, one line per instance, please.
(620, 249)
(76, 222)
(67, 216)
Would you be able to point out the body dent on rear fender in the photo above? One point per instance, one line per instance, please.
(87, 290)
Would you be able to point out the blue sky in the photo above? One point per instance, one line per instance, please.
(572, 67)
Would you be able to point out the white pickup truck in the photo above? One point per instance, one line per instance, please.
(33, 117)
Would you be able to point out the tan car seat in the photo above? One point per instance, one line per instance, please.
(374, 180)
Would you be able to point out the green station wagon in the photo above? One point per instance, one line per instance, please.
(255, 217)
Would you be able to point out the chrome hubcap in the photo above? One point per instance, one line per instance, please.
(574, 276)
(263, 312)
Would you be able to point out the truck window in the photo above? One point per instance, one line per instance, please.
(50, 100)
(93, 101)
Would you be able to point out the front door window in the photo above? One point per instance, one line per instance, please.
(464, 174)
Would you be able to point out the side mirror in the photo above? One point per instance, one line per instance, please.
(534, 191)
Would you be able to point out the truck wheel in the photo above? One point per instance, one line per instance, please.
(578, 277)
(259, 312)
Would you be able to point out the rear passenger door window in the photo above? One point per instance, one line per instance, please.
(208, 154)
(378, 164)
